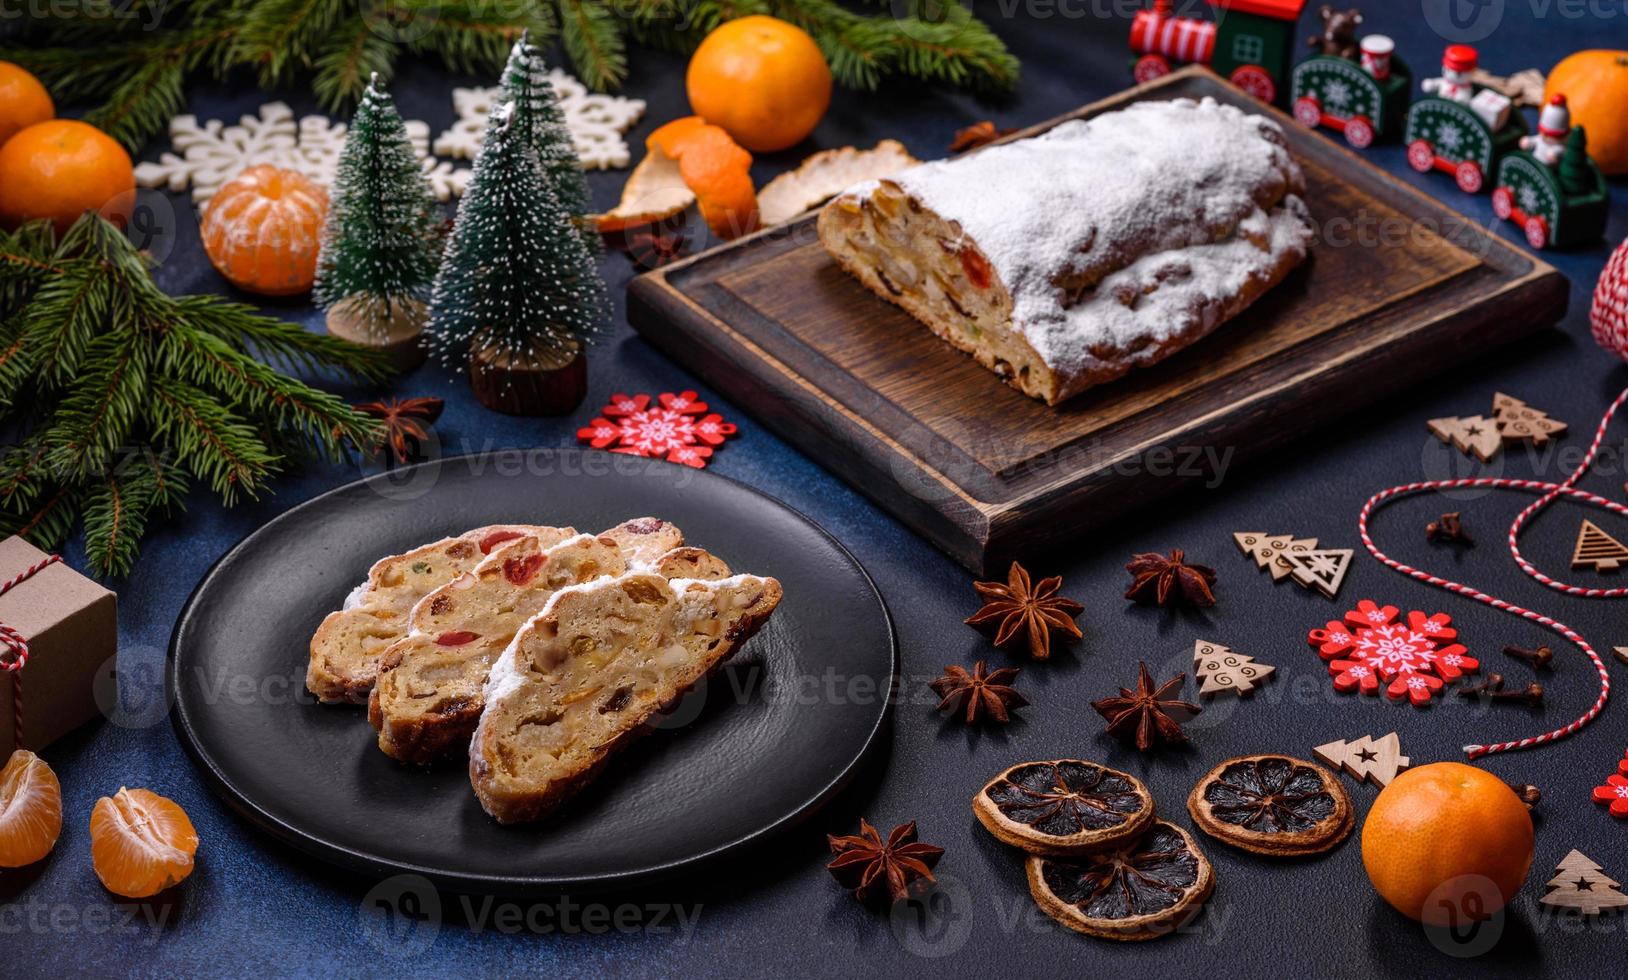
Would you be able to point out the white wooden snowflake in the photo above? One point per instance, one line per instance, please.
(596, 122)
(208, 154)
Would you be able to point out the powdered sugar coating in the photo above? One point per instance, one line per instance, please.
(1135, 226)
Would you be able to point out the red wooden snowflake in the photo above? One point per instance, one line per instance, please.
(1614, 793)
(1374, 647)
(676, 428)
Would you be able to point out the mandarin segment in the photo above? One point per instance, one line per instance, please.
(30, 810)
(141, 843)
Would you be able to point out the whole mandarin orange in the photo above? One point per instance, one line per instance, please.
(1447, 843)
(263, 230)
(62, 168)
(761, 79)
(23, 101)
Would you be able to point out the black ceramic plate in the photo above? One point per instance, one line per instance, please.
(760, 746)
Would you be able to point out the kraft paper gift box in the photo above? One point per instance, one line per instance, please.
(71, 626)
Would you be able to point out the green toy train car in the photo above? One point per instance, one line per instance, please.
(1555, 207)
(1445, 135)
(1340, 94)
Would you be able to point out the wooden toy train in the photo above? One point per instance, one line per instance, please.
(1546, 183)
(1249, 43)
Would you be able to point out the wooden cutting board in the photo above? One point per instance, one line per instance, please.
(1397, 289)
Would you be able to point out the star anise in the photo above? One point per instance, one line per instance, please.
(1148, 716)
(979, 693)
(653, 247)
(976, 135)
(875, 868)
(1163, 580)
(404, 418)
(1038, 610)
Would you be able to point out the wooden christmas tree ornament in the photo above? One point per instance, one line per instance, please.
(1474, 435)
(1321, 570)
(1520, 422)
(1597, 548)
(1220, 669)
(1375, 760)
(1621, 653)
(505, 383)
(1268, 550)
(393, 326)
(1580, 886)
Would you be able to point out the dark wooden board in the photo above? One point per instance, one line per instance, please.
(1398, 287)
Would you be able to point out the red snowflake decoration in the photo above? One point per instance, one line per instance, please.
(676, 428)
(1374, 647)
(1614, 793)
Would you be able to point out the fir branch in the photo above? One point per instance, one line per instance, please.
(283, 344)
(144, 102)
(46, 525)
(117, 511)
(354, 53)
(475, 36)
(101, 410)
(120, 375)
(279, 36)
(217, 445)
(593, 39)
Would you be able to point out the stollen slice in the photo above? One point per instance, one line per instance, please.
(345, 649)
(582, 679)
(431, 685)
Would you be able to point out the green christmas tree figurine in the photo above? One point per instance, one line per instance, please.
(541, 122)
(1576, 172)
(518, 294)
(382, 237)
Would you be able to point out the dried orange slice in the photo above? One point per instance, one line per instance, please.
(1064, 807)
(141, 843)
(1144, 889)
(30, 810)
(710, 165)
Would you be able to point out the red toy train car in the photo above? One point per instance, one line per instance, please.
(1250, 43)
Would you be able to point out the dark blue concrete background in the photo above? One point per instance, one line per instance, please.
(254, 906)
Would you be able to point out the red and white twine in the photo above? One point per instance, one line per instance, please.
(14, 656)
(1550, 491)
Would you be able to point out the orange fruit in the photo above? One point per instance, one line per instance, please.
(263, 229)
(23, 101)
(1447, 843)
(30, 810)
(1595, 84)
(713, 166)
(763, 80)
(141, 843)
(62, 168)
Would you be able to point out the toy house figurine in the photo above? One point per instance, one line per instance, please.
(1461, 128)
(1356, 88)
(1549, 187)
(1249, 43)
